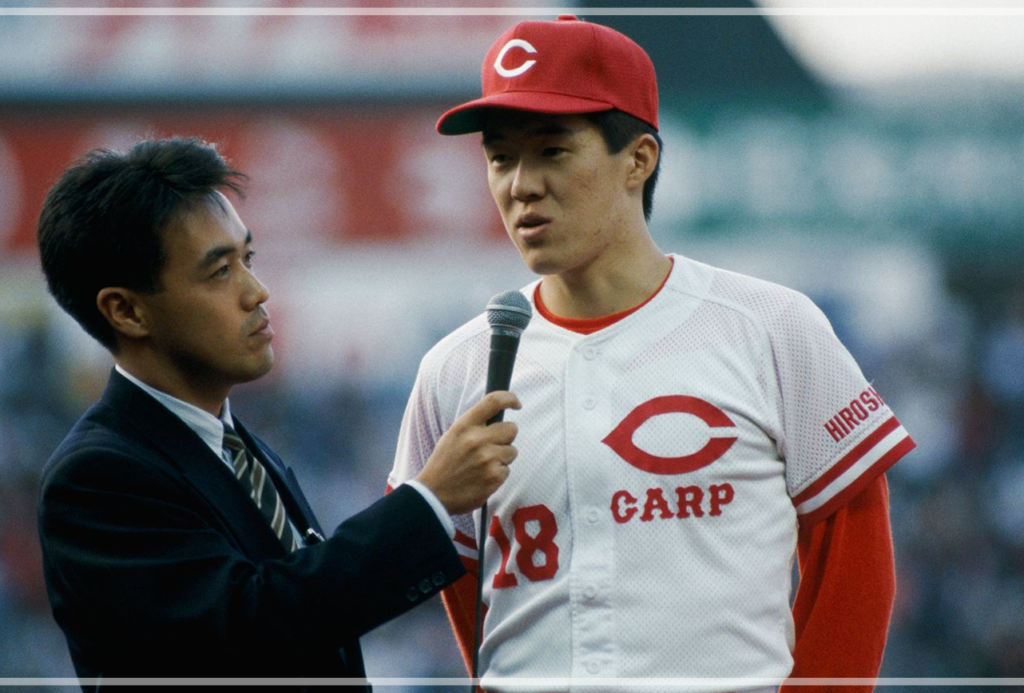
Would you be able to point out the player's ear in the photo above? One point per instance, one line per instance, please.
(124, 310)
(644, 153)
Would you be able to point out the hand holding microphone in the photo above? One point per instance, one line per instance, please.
(470, 461)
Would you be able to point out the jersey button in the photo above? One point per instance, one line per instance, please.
(593, 667)
(593, 516)
(589, 403)
(590, 591)
(590, 353)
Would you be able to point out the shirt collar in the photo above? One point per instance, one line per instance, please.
(207, 426)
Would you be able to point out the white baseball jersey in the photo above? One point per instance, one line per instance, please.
(649, 524)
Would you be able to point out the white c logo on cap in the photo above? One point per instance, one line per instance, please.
(514, 43)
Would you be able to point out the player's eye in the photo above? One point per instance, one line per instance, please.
(552, 151)
(221, 271)
(248, 258)
(498, 158)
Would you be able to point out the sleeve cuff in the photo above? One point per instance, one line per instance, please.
(850, 475)
(439, 509)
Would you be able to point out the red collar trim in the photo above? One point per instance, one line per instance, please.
(591, 325)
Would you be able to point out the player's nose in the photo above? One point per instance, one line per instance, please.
(527, 182)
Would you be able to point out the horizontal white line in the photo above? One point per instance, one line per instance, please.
(523, 11)
(466, 551)
(740, 683)
(733, 682)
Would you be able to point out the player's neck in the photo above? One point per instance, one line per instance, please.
(608, 285)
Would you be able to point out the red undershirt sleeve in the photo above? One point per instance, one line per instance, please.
(460, 602)
(846, 592)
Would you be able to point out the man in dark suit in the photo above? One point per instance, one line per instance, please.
(176, 543)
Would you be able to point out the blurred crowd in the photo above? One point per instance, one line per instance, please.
(958, 520)
(957, 517)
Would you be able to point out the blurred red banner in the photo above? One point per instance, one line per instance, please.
(316, 173)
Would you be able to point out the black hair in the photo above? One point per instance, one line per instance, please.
(619, 129)
(100, 223)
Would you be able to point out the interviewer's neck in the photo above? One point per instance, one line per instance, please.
(161, 373)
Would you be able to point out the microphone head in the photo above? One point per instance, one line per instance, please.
(509, 311)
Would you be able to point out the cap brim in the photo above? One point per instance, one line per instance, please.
(469, 116)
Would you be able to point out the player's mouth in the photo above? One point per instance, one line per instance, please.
(531, 226)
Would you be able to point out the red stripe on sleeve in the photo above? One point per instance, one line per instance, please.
(465, 540)
(471, 564)
(859, 484)
(848, 460)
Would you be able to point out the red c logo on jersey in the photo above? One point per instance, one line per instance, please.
(621, 439)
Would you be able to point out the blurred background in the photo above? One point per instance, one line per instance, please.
(873, 161)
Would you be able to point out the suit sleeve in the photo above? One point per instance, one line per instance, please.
(846, 592)
(132, 558)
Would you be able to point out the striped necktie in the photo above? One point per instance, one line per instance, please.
(257, 483)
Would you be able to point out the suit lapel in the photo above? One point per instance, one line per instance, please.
(185, 451)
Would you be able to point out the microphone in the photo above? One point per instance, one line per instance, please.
(508, 315)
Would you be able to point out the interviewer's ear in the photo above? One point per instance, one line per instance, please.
(644, 159)
(123, 310)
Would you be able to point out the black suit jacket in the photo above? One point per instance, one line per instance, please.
(158, 565)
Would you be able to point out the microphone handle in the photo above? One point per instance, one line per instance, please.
(499, 367)
(499, 375)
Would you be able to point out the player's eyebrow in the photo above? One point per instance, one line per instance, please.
(491, 136)
(542, 130)
(549, 129)
(214, 254)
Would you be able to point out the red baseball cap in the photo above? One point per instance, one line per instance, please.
(561, 66)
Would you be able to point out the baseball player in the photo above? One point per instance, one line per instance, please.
(685, 430)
